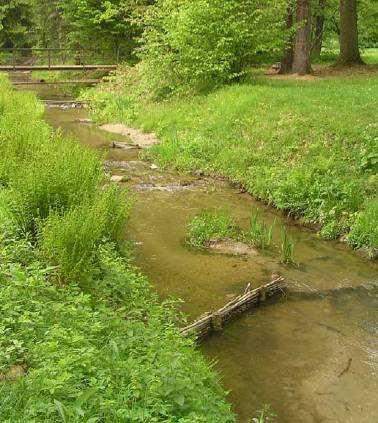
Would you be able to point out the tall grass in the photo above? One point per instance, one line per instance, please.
(72, 241)
(52, 188)
(286, 247)
(259, 234)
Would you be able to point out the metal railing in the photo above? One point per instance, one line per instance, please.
(55, 57)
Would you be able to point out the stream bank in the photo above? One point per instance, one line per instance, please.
(312, 360)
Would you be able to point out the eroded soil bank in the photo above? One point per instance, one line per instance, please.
(313, 357)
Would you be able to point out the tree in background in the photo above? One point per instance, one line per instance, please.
(349, 48)
(301, 61)
(196, 45)
(49, 28)
(104, 24)
(368, 23)
(286, 64)
(318, 28)
(15, 22)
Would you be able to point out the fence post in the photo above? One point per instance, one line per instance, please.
(49, 57)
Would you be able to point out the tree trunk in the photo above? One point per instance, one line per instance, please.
(319, 29)
(349, 52)
(286, 64)
(301, 63)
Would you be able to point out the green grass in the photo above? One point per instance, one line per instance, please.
(210, 225)
(370, 56)
(287, 247)
(89, 338)
(220, 225)
(307, 147)
(72, 241)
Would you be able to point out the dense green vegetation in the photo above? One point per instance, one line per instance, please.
(82, 337)
(298, 145)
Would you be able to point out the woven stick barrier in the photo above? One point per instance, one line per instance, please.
(215, 321)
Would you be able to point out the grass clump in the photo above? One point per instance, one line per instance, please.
(219, 225)
(71, 242)
(286, 247)
(364, 233)
(210, 225)
(259, 234)
(61, 176)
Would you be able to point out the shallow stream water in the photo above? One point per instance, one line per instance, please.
(312, 356)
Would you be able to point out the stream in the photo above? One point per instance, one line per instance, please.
(313, 355)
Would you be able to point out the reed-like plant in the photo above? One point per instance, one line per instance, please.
(287, 247)
(259, 234)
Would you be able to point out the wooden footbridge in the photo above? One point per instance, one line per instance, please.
(57, 59)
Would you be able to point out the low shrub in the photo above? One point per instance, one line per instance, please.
(81, 360)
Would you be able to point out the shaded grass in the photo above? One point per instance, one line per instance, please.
(307, 147)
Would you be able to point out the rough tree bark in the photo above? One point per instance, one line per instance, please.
(319, 29)
(301, 63)
(286, 64)
(349, 51)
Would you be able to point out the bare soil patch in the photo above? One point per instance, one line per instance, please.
(138, 138)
